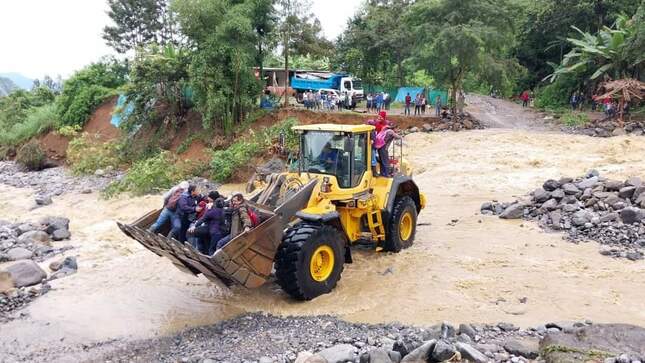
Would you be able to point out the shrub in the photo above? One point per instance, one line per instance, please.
(224, 163)
(87, 89)
(573, 119)
(37, 121)
(31, 156)
(87, 153)
(556, 95)
(147, 176)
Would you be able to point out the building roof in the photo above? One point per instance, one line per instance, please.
(334, 128)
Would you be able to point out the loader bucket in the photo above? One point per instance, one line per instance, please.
(246, 260)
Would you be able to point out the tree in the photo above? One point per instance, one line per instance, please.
(140, 22)
(546, 25)
(462, 37)
(220, 71)
(263, 18)
(377, 42)
(606, 53)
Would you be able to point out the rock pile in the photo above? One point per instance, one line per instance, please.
(607, 128)
(53, 181)
(325, 339)
(26, 240)
(449, 123)
(588, 208)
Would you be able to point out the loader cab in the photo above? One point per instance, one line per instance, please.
(338, 151)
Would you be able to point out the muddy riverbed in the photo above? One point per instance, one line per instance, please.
(462, 267)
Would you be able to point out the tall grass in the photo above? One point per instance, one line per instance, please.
(38, 121)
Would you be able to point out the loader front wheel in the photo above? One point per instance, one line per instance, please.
(402, 225)
(310, 260)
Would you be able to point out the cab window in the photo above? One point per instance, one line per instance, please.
(360, 158)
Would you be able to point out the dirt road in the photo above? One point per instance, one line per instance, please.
(463, 266)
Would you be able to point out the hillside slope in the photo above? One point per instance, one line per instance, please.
(6, 86)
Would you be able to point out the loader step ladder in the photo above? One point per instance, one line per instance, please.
(375, 222)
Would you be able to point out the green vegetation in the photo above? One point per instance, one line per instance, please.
(37, 121)
(31, 156)
(87, 153)
(88, 88)
(571, 118)
(225, 162)
(147, 176)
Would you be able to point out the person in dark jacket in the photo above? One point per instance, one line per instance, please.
(186, 206)
(199, 233)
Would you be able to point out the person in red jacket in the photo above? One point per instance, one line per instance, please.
(408, 102)
(525, 98)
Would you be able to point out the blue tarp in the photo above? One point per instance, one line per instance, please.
(431, 94)
(403, 91)
(121, 111)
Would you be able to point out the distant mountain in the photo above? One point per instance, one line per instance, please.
(20, 80)
(6, 86)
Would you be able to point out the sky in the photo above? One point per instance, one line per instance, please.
(39, 37)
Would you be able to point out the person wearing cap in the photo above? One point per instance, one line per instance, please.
(168, 206)
(240, 220)
(381, 144)
(186, 206)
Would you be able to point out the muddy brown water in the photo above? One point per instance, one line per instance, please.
(474, 270)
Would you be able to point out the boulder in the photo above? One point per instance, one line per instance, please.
(19, 253)
(469, 353)
(581, 217)
(316, 358)
(588, 183)
(427, 127)
(626, 192)
(43, 200)
(609, 217)
(525, 347)
(303, 356)
(443, 350)
(550, 185)
(638, 191)
(6, 282)
(25, 227)
(379, 356)
(421, 354)
(557, 194)
(467, 329)
(339, 353)
(414, 129)
(61, 234)
(570, 189)
(584, 343)
(613, 185)
(634, 182)
(26, 273)
(556, 218)
(540, 195)
(631, 215)
(54, 223)
(34, 236)
(513, 211)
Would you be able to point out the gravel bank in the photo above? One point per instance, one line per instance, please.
(591, 207)
(53, 181)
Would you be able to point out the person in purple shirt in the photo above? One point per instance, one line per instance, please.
(213, 220)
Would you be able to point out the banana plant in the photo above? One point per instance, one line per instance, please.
(605, 53)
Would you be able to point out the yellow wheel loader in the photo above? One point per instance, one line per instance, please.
(309, 218)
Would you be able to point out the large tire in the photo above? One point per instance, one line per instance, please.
(402, 226)
(310, 260)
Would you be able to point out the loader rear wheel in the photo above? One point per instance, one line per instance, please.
(402, 225)
(310, 260)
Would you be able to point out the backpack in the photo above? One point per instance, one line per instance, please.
(174, 198)
(252, 216)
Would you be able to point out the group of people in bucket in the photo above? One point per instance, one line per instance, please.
(207, 222)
